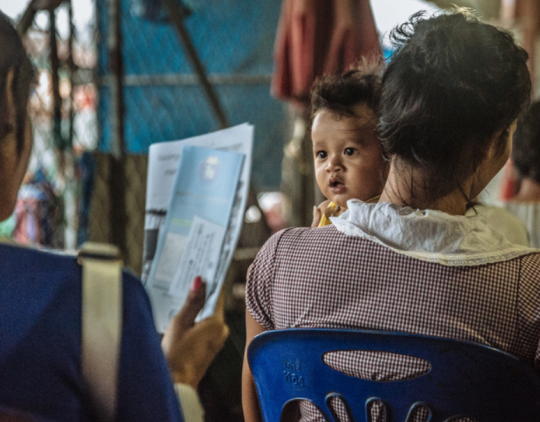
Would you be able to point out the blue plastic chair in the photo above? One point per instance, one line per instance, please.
(465, 379)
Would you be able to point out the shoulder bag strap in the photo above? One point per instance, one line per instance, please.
(101, 325)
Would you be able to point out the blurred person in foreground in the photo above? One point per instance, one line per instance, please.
(526, 157)
(413, 262)
(40, 308)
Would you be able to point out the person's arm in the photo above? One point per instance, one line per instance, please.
(250, 402)
(258, 317)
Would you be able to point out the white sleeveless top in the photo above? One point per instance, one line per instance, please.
(529, 213)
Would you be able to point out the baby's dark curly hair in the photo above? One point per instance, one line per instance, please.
(341, 93)
(526, 145)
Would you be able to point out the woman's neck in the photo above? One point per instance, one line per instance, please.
(529, 191)
(397, 190)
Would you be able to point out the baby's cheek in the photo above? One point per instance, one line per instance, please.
(321, 177)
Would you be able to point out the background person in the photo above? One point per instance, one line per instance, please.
(526, 157)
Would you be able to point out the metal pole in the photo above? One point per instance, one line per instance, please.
(58, 141)
(55, 66)
(116, 68)
(26, 20)
(117, 179)
(177, 16)
(70, 196)
(72, 71)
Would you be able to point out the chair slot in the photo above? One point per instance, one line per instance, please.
(377, 410)
(294, 408)
(419, 412)
(376, 366)
(339, 408)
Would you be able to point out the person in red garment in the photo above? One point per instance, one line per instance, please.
(414, 262)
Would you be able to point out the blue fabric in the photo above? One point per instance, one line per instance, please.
(40, 336)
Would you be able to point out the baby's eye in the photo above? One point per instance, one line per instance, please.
(349, 151)
(322, 155)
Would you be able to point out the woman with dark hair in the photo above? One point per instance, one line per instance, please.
(526, 157)
(40, 308)
(414, 262)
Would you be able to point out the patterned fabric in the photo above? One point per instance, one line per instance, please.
(322, 278)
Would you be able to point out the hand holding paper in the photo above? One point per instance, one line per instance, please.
(188, 347)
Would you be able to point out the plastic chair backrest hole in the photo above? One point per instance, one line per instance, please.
(376, 365)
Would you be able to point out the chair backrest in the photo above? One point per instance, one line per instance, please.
(465, 379)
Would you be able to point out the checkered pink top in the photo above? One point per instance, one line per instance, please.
(322, 278)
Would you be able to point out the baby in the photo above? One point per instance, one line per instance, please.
(348, 156)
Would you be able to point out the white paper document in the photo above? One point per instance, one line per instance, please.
(170, 275)
(201, 257)
(169, 260)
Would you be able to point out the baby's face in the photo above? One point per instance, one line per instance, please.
(348, 155)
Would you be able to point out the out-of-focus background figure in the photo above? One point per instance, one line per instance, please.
(526, 160)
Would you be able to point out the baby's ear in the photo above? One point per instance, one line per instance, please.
(8, 115)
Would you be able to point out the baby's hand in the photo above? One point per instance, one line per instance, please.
(318, 213)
